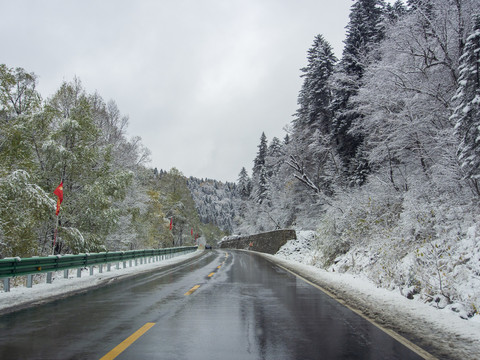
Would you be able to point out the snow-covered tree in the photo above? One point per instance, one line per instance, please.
(406, 96)
(259, 172)
(315, 96)
(311, 150)
(74, 153)
(23, 206)
(19, 103)
(259, 161)
(364, 31)
(244, 184)
(18, 94)
(467, 106)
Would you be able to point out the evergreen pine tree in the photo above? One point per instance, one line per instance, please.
(467, 101)
(312, 125)
(315, 95)
(364, 30)
(259, 175)
(261, 190)
(274, 157)
(259, 161)
(244, 184)
(396, 10)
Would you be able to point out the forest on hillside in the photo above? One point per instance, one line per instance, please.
(112, 200)
(382, 158)
(385, 136)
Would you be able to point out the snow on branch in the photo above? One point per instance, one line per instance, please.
(303, 177)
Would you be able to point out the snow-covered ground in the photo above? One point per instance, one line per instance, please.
(21, 296)
(442, 331)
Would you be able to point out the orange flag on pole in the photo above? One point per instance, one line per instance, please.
(59, 192)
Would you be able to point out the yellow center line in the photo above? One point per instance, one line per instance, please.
(211, 274)
(189, 292)
(127, 342)
(219, 266)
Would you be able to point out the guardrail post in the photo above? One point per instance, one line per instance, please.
(91, 270)
(65, 274)
(100, 268)
(109, 267)
(6, 284)
(49, 277)
(118, 265)
(130, 262)
(124, 264)
(79, 272)
(29, 280)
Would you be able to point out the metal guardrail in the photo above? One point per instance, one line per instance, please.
(13, 267)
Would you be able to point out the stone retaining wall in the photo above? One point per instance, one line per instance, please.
(269, 242)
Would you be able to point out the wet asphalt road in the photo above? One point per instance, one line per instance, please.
(222, 305)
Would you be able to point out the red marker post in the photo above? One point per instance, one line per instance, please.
(59, 192)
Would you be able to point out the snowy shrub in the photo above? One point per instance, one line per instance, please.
(434, 265)
(359, 217)
(330, 243)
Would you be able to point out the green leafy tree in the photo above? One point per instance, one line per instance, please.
(19, 102)
(179, 205)
(23, 205)
(73, 153)
(22, 202)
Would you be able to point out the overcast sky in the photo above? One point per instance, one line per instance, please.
(199, 79)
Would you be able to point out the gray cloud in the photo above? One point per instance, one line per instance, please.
(200, 80)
